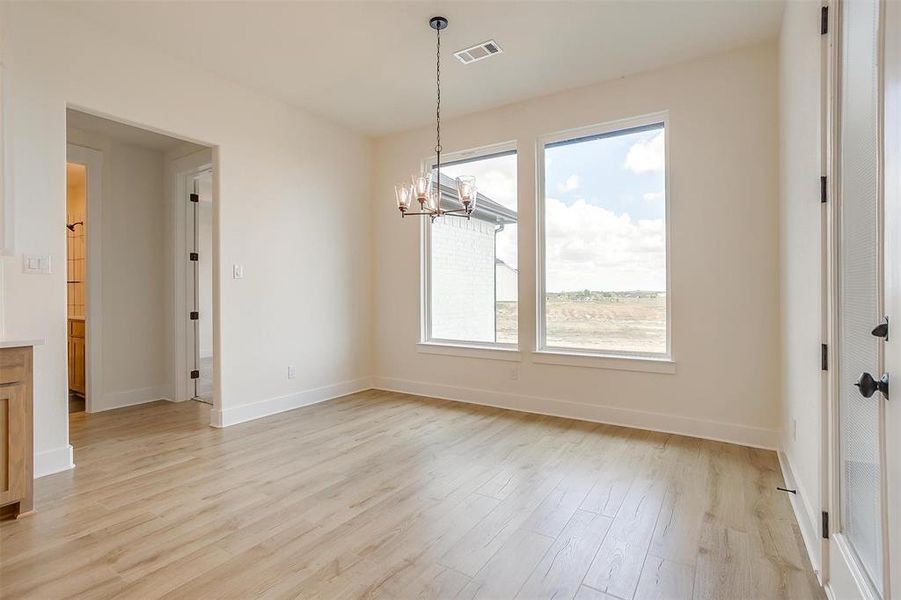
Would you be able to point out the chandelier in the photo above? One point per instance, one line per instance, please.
(420, 187)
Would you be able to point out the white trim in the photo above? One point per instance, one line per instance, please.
(123, 398)
(425, 249)
(53, 461)
(491, 352)
(271, 406)
(757, 437)
(862, 585)
(559, 136)
(804, 513)
(617, 362)
(93, 163)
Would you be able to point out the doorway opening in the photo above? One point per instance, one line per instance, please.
(76, 269)
(129, 259)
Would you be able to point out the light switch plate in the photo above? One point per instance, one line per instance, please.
(36, 264)
(237, 271)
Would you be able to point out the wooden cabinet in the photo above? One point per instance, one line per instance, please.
(16, 427)
(76, 356)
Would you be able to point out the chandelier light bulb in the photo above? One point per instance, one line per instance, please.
(404, 195)
(422, 183)
(467, 191)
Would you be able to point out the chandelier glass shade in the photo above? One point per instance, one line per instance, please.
(426, 187)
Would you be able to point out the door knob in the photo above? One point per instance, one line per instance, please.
(869, 386)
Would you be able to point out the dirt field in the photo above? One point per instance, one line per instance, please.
(599, 323)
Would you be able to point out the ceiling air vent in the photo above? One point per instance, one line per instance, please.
(478, 52)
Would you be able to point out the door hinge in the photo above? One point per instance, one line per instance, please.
(825, 525)
(824, 357)
(824, 20)
(194, 257)
(195, 315)
(195, 374)
(195, 197)
(823, 189)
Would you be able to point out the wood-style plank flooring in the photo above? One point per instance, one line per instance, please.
(384, 495)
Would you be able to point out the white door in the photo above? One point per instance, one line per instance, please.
(200, 286)
(892, 193)
(858, 509)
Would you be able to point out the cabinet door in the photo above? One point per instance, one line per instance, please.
(71, 364)
(13, 417)
(79, 365)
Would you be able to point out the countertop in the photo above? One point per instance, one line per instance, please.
(19, 342)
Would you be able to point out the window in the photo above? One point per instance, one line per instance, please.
(470, 291)
(602, 241)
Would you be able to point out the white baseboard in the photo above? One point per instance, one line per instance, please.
(805, 514)
(666, 423)
(121, 399)
(270, 406)
(53, 461)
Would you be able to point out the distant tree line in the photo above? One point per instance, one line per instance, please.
(592, 295)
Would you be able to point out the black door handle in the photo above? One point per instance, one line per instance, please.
(881, 330)
(869, 386)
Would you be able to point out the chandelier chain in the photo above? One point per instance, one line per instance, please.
(438, 118)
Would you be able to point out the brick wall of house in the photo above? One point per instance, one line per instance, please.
(463, 280)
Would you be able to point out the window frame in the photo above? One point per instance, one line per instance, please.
(474, 349)
(616, 359)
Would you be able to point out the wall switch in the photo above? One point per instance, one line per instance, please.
(292, 372)
(237, 271)
(795, 430)
(514, 373)
(36, 264)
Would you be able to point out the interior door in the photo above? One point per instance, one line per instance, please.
(200, 286)
(857, 564)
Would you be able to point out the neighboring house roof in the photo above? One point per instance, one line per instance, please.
(486, 209)
(499, 263)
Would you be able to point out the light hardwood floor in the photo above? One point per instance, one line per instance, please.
(383, 495)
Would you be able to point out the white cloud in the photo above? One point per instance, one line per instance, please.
(495, 178)
(589, 247)
(571, 183)
(653, 196)
(647, 156)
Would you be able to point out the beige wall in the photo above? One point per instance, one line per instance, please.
(801, 258)
(723, 173)
(292, 208)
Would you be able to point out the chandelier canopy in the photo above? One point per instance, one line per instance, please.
(425, 187)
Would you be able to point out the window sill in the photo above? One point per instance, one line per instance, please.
(470, 351)
(605, 361)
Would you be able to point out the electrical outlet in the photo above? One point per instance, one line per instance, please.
(237, 271)
(292, 372)
(514, 373)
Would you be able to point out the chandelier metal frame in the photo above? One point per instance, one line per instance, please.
(420, 187)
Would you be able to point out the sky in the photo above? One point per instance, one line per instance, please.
(604, 211)
(605, 214)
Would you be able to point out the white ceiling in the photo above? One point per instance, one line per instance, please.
(370, 65)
